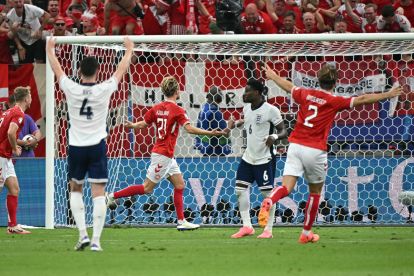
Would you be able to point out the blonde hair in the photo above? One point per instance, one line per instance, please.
(327, 76)
(20, 93)
(169, 86)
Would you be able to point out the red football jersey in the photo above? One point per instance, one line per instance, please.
(316, 114)
(167, 117)
(13, 115)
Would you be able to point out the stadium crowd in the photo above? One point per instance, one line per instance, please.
(26, 23)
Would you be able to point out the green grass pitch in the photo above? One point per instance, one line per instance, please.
(210, 251)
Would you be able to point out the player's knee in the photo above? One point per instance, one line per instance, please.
(241, 189)
(14, 191)
(179, 186)
(148, 189)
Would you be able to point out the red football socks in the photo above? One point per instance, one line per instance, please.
(11, 203)
(278, 193)
(130, 191)
(311, 210)
(178, 203)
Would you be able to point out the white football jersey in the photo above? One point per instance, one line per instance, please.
(259, 124)
(88, 109)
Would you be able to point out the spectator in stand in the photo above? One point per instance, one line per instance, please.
(91, 26)
(53, 9)
(340, 27)
(75, 13)
(59, 28)
(122, 17)
(254, 21)
(406, 8)
(368, 23)
(325, 7)
(97, 8)
(5, 54)
(379, 3)
(261, 4)
(207, 15)
(289, 24)
(314, 23)
(183, 18)
(358, 9)
(389, 22)
(156, 18)
(69, 25)
(24, 22)
(277, 9)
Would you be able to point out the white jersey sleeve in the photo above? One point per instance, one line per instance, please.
(87, 109)
(259, 123)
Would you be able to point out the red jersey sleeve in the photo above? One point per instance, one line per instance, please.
(182, 118)
(297, 95)
(340, 103)
(18, 119)
(149, 117)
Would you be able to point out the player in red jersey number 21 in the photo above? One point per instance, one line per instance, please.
(168, 117)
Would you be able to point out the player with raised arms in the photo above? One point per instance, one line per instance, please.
(307, 152)
(11, 123)
(88, 109)
(167, 117)
(258, 161)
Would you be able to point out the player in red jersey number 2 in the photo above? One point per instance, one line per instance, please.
(308, 141)
(168, 118)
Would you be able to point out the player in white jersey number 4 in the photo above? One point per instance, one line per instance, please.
(308, 141)
(88, 109)
(258, 162)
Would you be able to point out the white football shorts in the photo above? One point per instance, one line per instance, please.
(6, 170)
(310, 162)
(161, 166)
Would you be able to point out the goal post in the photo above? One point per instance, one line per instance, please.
(370, 148)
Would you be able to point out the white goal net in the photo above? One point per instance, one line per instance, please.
(370, 148)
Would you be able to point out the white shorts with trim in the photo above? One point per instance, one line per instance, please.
(310, 162)
(161, 167)
(6, 170)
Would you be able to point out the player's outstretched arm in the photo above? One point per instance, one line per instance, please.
(54, 63)
(198, 131)
(137, 125)
(281, 82)
(373, 98)
(126, 60)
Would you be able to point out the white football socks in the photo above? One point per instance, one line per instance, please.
(78, 212)
(243, 197)
(99, 215)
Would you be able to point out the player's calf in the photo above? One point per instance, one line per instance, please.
(264, 212)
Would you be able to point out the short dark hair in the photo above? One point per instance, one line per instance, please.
(327, 76)
(290, 13)
(257, 85)
(88, 66)
(387, 11)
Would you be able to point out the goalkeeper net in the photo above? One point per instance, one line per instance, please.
(370, 148)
